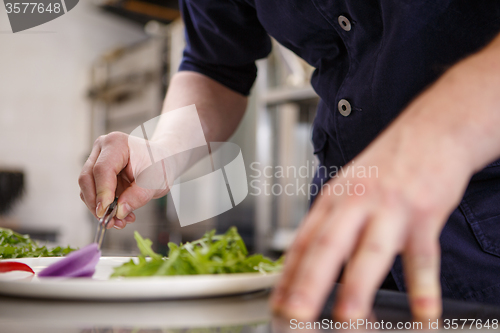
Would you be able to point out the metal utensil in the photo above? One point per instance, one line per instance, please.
(104, 221)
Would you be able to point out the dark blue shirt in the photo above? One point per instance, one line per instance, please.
(374, 57)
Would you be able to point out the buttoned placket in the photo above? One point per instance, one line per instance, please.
(344, 107)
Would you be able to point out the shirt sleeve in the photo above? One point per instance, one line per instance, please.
(224, 38)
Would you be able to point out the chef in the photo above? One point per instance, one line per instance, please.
(409, 87)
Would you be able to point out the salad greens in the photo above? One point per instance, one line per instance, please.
(15, 245)
(211, 254)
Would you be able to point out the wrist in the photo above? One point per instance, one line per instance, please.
(476, 83)
(460, 111)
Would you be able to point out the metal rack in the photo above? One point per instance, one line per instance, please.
(127, 88)
(286, 106)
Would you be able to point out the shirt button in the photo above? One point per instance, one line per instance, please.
(344, 107)
(344, 23)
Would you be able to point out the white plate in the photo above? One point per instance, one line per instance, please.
(101, 287)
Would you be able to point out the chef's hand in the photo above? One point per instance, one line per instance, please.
(114, 160)
(424, 160)
(108, 172)
(401, 208)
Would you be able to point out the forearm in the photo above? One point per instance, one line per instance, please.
(480, 75)
(461, 111)
(220, 109)
(124, 166)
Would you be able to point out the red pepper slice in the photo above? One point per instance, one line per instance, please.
(8, 266)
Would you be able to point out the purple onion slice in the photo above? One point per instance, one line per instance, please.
(80, 263)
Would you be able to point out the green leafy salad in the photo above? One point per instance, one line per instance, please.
(212, 254)
(14, 245)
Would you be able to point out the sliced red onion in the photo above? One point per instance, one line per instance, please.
(80, 263)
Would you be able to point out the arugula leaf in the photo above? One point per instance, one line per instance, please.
(15, 245)
(144, 246)
(211, 254)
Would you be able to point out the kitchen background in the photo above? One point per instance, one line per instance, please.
(103, 67)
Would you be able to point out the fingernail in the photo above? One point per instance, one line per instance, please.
(297, 307)
(119, 224)
(350, 310)
(98, 210)
(123, 210)
(424, 308)
(129, 218)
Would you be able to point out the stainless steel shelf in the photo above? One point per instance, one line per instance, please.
(285, 95)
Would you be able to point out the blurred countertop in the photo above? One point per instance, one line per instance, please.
(240, 313)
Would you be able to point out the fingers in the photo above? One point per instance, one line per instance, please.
(111, 161)
(321, 262)
(367, 268)
(120, 224)
(313, 220)
(421, 260)
(132, 198)
(130, 218)
(106, 174)
(86, 179)
(329, 237)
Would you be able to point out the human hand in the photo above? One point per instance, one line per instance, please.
(109, 171)
(424, 162)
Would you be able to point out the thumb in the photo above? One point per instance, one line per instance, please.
(132, 198)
